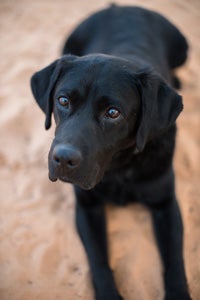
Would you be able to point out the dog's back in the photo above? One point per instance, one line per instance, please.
(130, 32)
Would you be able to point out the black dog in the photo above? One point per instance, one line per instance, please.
(115, 132)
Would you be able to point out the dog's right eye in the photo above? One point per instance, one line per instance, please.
(64, 101)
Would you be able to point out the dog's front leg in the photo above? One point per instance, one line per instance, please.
(169, 232)
(91, 225)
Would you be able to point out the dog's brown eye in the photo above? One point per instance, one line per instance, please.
(64, 101)
(112, 113)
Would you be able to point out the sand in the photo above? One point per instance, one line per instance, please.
(41, 256)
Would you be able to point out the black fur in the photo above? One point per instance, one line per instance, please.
(115, 110)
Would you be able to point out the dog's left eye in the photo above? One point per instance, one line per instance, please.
(64, 101)
(112, 113)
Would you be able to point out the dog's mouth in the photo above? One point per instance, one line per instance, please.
(87, 181)
(54, 178)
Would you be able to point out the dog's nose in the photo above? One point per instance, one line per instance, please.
(67, 156)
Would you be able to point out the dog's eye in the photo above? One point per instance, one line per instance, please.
(112, 113)
(64, 101)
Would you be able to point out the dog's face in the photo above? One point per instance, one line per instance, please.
(101, 106)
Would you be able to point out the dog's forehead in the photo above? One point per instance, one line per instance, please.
(102, 73)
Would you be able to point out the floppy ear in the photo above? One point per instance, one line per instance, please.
(42, 84)
(160, 106)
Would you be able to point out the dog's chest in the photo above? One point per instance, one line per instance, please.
(118, 188)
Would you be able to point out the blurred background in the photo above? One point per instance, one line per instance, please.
(41, 256)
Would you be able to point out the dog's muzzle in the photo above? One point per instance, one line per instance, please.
(66, 163)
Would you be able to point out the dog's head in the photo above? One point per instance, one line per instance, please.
(101, 106)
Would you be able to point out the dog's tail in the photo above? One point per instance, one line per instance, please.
(178, 55)
(177, 46)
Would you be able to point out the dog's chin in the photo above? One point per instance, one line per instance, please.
(83, 184)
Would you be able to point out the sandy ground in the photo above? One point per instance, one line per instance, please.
(41, 256)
